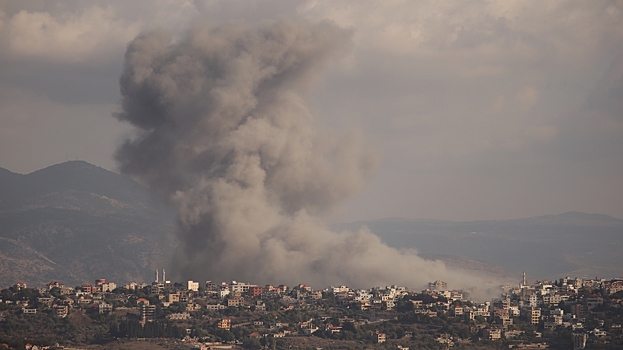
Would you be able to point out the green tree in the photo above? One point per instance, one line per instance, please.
(55, 292)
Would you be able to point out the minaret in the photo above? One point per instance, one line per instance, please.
(164, 278)
(524, 279)
(156, 275)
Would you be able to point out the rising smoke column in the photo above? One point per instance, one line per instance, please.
(223, 133)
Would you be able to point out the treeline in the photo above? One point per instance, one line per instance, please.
(17, 329)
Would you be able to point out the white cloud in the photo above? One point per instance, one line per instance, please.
(479, 55)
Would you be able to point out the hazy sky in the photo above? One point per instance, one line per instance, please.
(479, 109)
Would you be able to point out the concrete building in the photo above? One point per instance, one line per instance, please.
(579, 340)
(235, 302)
(211, 286)
(579, 310)
(179, 316)
(456, 310)
(533, 315)
(255, 291)
(108, 287)
(593, 300)
(437, 285)
(104, 308)
(379, 337)
(492, 333)
(215, 307)
(192, 285)
(224, 323)
(173, 298)
(60, 311)
(147, 312)
(240, 287)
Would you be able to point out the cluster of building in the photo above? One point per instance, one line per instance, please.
(538, 304)
(59, 298)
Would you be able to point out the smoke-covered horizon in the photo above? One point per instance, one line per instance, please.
(224, 132)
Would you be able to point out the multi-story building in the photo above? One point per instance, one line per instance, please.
(579, 340)
(593, 300)
(173, 297)
(240, 287)
(255, 291)
(615, 287)
(492, 333)
(87, 288)
(192, 285)
(54, 284)
(533, 315)
(156, 288)
(215, 307)
(389, 304)
(379, 337)
(224, 323)
(60, 311)
(437, 285)
(147, 312)
(104, 308)
(179, 316)
(108, 286)
(211, 286)
(260, 306)
(223, 292)
(340, 289)
(235, 302)
(579, 310)
(532, 300)
(456, 310)
(552, 322)
(504, 320)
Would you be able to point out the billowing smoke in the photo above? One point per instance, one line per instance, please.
(223, 132)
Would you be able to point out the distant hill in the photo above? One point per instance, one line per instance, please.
(576, 244)
(75, 222)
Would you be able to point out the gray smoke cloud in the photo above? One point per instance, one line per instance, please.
(223, 132)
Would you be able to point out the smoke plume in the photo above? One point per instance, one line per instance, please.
(223, 132)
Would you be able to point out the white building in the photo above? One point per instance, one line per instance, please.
(108, 286)
(223, 292)
(240, 287)
(194, 286)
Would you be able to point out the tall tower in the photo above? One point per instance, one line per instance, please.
(524, 279)
(164, 278)
(156, 275)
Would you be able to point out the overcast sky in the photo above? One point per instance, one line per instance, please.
(480, 109)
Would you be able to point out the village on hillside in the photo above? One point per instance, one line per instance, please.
(567, 313)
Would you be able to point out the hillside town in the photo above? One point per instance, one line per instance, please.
(566, 313)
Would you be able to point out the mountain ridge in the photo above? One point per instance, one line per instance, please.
(75, 222)
(564, 215)
(545, 246)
